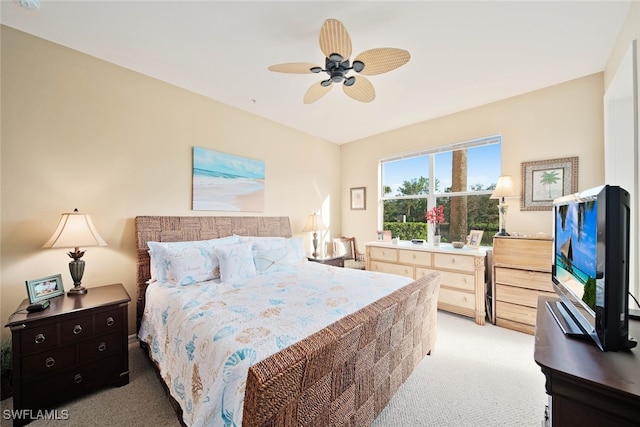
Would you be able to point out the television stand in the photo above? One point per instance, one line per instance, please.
(586, 386)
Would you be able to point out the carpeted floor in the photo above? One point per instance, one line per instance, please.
(477, 376)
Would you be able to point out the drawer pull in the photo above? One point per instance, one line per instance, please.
(110, 321)
(77, 329)
(77, 379)
(49, 362)
(40, 338)
(102, 346)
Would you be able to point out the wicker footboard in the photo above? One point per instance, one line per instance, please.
(346, 373)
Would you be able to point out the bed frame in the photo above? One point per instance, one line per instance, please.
(345, 373)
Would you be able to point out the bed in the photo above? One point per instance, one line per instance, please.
(343, 373)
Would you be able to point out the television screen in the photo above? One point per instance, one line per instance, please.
(576, 250)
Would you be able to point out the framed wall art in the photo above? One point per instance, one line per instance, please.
(44, 288)
(358, 198)
(546, 180)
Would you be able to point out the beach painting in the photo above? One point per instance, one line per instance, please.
(225, 182)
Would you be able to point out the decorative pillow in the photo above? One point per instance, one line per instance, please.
(185, 263)
(276, 253)
(236, 261)
(343, 248)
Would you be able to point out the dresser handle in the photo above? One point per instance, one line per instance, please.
(50, 362)
(40, 338)
(102, 346)
(110, 321)
(77, 379)
(77, 329)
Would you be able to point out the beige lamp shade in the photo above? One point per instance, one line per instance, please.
(314, 223)
(504, 188)
(75, 230)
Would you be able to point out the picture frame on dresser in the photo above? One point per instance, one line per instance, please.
(44, 288)
(475, 238)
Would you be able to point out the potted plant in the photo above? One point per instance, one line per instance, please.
(435, 216)
(6, 368)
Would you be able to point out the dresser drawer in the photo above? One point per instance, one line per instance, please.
(527, 254)
(101, 346)
(459, 299)
(383, 254)
(516, 295)
(38, 338)
(529, 279)
(72, 382)
(454, 262)
(48, 362)
(76, 329)
(385, 267)
(517, 313)
(108, 322)
(420, 258)
(464, 282)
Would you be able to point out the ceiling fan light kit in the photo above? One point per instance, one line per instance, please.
(335, 43)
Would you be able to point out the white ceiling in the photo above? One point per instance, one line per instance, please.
(463, 54)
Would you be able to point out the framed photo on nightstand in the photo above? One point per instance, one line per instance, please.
(44, 288)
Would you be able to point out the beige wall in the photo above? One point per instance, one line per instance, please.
(559, 121)
(81, 133)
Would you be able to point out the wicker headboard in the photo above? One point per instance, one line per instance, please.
(188, 228)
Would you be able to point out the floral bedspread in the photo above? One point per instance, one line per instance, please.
(205, 336)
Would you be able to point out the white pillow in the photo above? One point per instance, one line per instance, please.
(185, 263)
(276, 253)
(236, 262)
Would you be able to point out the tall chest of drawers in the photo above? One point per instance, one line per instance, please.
(71, 348)
(521, 273)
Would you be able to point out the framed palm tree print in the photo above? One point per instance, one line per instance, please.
(545, 180)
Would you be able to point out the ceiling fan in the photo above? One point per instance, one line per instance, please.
(335, 43)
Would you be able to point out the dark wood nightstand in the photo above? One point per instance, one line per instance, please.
(334, 261)
(73, 347)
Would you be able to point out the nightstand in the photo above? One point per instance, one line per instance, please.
(337, 261)
(73, 347)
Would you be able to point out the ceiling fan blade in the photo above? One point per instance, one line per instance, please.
(362, 90)
(315, 92)
(293, 67)
(381, 60)
(334, 38)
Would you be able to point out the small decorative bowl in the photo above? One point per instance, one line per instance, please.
(457, 245)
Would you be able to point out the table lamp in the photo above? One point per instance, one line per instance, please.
(314, 224)
(75, 230)
(504, 188)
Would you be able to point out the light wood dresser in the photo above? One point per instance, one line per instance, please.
(521, 273)
(462, 289)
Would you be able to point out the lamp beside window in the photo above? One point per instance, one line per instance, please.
(314, 224)
(504, 188)
(75, 230)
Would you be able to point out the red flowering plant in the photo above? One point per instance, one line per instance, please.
(435, 216)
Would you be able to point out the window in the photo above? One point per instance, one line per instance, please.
(459, 177)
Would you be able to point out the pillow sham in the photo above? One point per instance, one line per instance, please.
(276, 253)
(236, 262)
(185, 263)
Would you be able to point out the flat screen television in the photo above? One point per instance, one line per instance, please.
(590, 269)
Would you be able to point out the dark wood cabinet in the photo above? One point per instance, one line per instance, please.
(587, 387)
(73, 347)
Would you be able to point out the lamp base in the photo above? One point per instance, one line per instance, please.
(502, 232)
(77, 290)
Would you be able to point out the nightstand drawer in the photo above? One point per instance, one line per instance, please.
(48, 362)
(72, 382)
(39, 338)
(76, 329)
(109, 321)
(99, 347)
